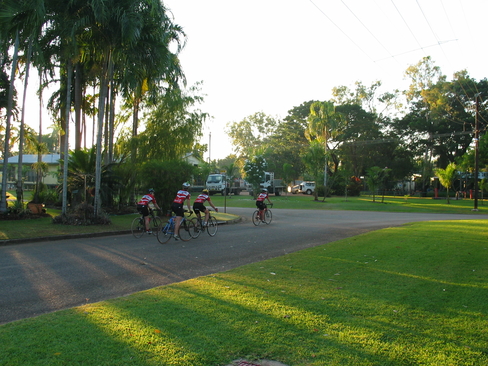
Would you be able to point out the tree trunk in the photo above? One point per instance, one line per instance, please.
(65, 147)
(78, 100)
(10, 103)
(20, 185)
(111, 123)
(101, 113)
(39, 142)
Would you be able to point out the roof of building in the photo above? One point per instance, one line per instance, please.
(32, 158)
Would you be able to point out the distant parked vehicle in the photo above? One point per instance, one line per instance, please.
(304, 187)
(295, 188)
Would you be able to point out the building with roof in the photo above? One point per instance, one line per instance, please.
(50, 178)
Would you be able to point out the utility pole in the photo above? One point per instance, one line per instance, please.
(209, 146)
(476, 151)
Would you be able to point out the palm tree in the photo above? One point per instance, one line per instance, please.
(323, 123)
(374, 178)
(23, 20)
(446, 177)
(10, 103)
(313, 158)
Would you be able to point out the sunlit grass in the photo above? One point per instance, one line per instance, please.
(410, 295)
(363, 203)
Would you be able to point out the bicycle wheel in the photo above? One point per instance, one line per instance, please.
(212, 226)
(187, 228)
(166, 232)
(197, 228)
(156, 224)
(268, 216)
(255, 218)
(137, 227)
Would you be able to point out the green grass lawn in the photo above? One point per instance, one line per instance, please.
(410, 295)
(363, 203)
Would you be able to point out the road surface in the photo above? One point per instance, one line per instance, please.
(41, 277)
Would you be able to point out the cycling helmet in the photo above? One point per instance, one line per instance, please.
(186, 185)
(264, 190)
(150, 190)
(205, 191)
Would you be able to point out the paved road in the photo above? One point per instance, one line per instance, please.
(37, 278)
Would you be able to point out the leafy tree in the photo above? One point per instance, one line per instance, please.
(230, 174)
(173, 126)
(368, 98)
(313, 159)
(446, 177)
(361, 136)
(254, 169)
(288, 142)
(324, 124)
(166, 177)
(288, 174)
(251, 133)
(440, 121)
(81, 177)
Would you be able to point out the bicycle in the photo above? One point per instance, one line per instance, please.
(211, 226)
(168, 231)
(138, 227)
(268, 215)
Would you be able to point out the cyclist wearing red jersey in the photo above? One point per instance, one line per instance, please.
(260, 202)
(198, 206)
(177, 206)
(143, 207)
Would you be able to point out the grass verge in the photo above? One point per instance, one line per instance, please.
(410, 295)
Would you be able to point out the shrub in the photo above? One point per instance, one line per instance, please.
(83, 214)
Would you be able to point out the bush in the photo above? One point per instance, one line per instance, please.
(166, 177)
(82, 214)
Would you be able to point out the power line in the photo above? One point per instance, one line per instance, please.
(432, 30)
(413, 35)
(417, 49)
(340, 29)
(361, 22)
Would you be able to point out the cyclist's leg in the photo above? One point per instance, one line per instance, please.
(144, 211)
(179, 212)
(255, 217)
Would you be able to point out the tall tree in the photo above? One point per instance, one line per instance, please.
(10, 105)
(313, 159)
(324, 123)
(251, 133)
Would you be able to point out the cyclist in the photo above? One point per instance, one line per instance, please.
(177, 206)
(260, 202)
(198, 206)
(143, 207)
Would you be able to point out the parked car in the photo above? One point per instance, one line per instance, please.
(306, 187)
(294, 189)
(303, 187)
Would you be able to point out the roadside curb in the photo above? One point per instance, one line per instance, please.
(6, 242)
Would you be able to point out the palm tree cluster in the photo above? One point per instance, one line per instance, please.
(125, 50)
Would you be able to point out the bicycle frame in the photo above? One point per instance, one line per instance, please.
(168, 231)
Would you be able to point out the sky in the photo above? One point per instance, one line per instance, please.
(273, 55)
